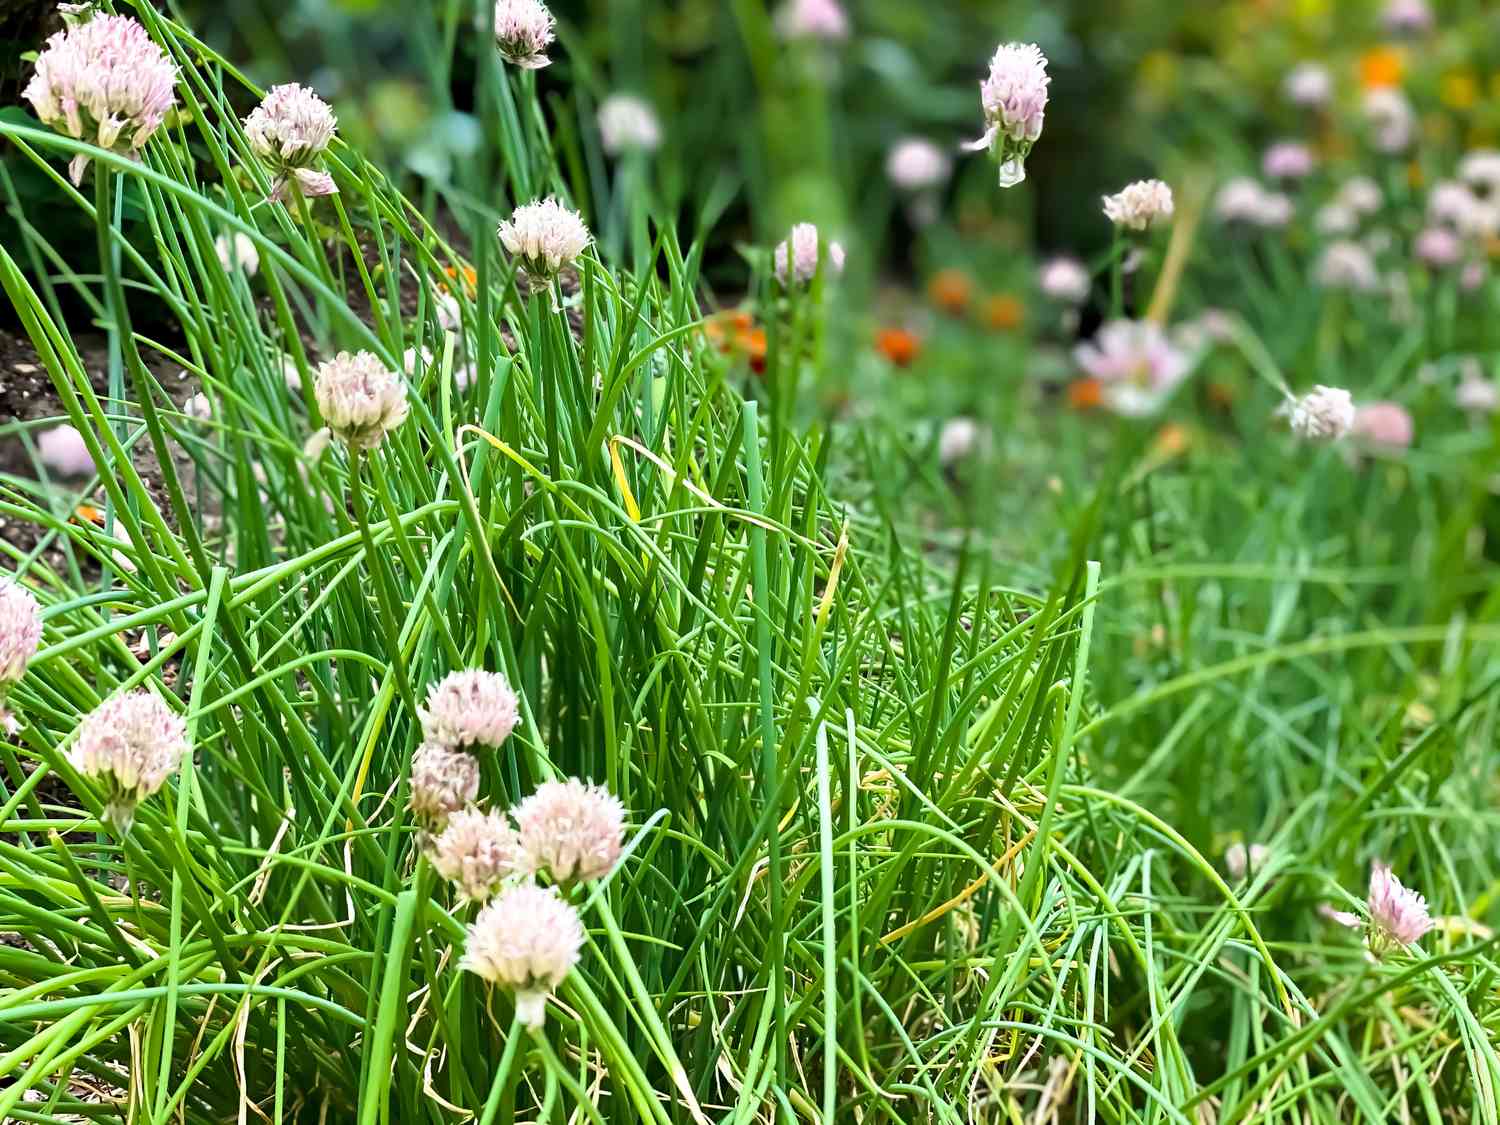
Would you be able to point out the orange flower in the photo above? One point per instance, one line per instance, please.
(754, 346)
(1004, 312)
(470, 277)
(733, 332)
(1171, 440)
(898, 345)
(1085, 394)
(950, 290)
(90, 513)
(1381, 66)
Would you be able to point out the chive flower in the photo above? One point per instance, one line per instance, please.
(570, 830)
(289, 131)
(477, 851)
(523, 32)
(546, 236)
(360, 399)
(527, 939)
(1014, 97)
(470, 708)
(131, 744)
(443, 781)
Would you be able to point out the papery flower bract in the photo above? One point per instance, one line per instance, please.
(63, 450)
(915, 164)
(360, 398)
(1347, 265)
(527, 940)
(476, 851)
(1238, 859)
(471, 707)
(796, 258)
(1308, 84)
(571, 830)
(812, 19)
(237, 251)
(289, 131)
(105, 81)
(1065, 280)
(1323, 414)
(1287, 160)
(523, 32)
(545, 235)
(1136, 364)
(1391, 118)
(1014, 97)
(1438, 247)
(131, 744)
(628, 123)
(443, 781)
(1139, 205)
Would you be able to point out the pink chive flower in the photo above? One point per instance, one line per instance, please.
(523, 32)
(131, 744)
(526, 940)
(916, 164)
(1407, 17)
(796, 258)
(1308, 84)
(20, 636)
(477, 851)
(104, 81)
(1139, 205)
(1238, 860)
(1136, 363)
(1383, 424)
(470, 708)
(1065, 280)
(1287, 160)
(1323, 414)
(571, 830)
(1438, 247)
(546, 236)
(63, 451)
(1398, 915)
(1392, 120)
(1347, 265)
(812, 19)
(360, 399)
(289, 131)
(1014, 97)
(443, 781)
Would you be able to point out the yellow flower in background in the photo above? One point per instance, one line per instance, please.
(1414, 175)
(1158, 73)
(1380, 67)
(1460, 90)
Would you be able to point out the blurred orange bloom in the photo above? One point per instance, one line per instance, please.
(90, 513)
(1085, 394)
(1172, 440)
(1381, 66)
(470, 277)
(898, 345)
(950, 290)
(1004, 312)
(734, 332)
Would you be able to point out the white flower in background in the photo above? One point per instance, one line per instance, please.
(198, 407)
(916, 164)
(449, 312)
(1454, 204)
(1391, 118)
(1407, 17)
(1287, 160)
(1014, 97)
(812, 19)
(1438, 247)
(1336, 220)
(1475, 393)
(1347, 265)
(1308, 84)
(796, 259)
(131, 744)
(1065, 280)
(476, 851)
(361, 399)
(1238, 860)
(443, 781)
(1398, 915)
(571, 830)
(1137, 365)
(1140, 205)
(1323, 414)
(628, 124)
(1361, 195)
(527, 940)
(546, 236)
(237, 251)
(290, 129)
(523, 32)
(1480, 170)
(104, 81)
(958, 440)
(471, 707)
(1245, 202)
(63, 452)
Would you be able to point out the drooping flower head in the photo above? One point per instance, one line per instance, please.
(1386, 425)
(527, 940)
(1065, 280)
(1308, 84)
(1015, 104)
(546, 236)
(477, 851)
(523, 32)
(571, 830)
(1287, 160)
(1398, 915)
(916, 164)
(796, 258)
(470, 708)
(812, 19)
(1239, 859)
(443, 781)
(1136, 364)
(628, 124)
(1139, 205)
(1347, 265)
(130, 744)
(1323, 414)
(360, 399)
(289, 130)
(104, 81)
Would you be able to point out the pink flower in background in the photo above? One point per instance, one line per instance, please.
(1385, 424)
(1065, 280)
(1014, 97)
(1287, 160)
(104, 81)
(523, 32)
(1438, 247)
(470, 708)
(1347, 265)
(1246, 202)
(527, 940)
(1140, 205)
(571, 830)
(915, 164)
(1392, 120)
(1308, 84)
(289, 131)
(1136, 363)
(131, 744)
(796, 259)
(813, 19)
(1406, 17)
(63, 451)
